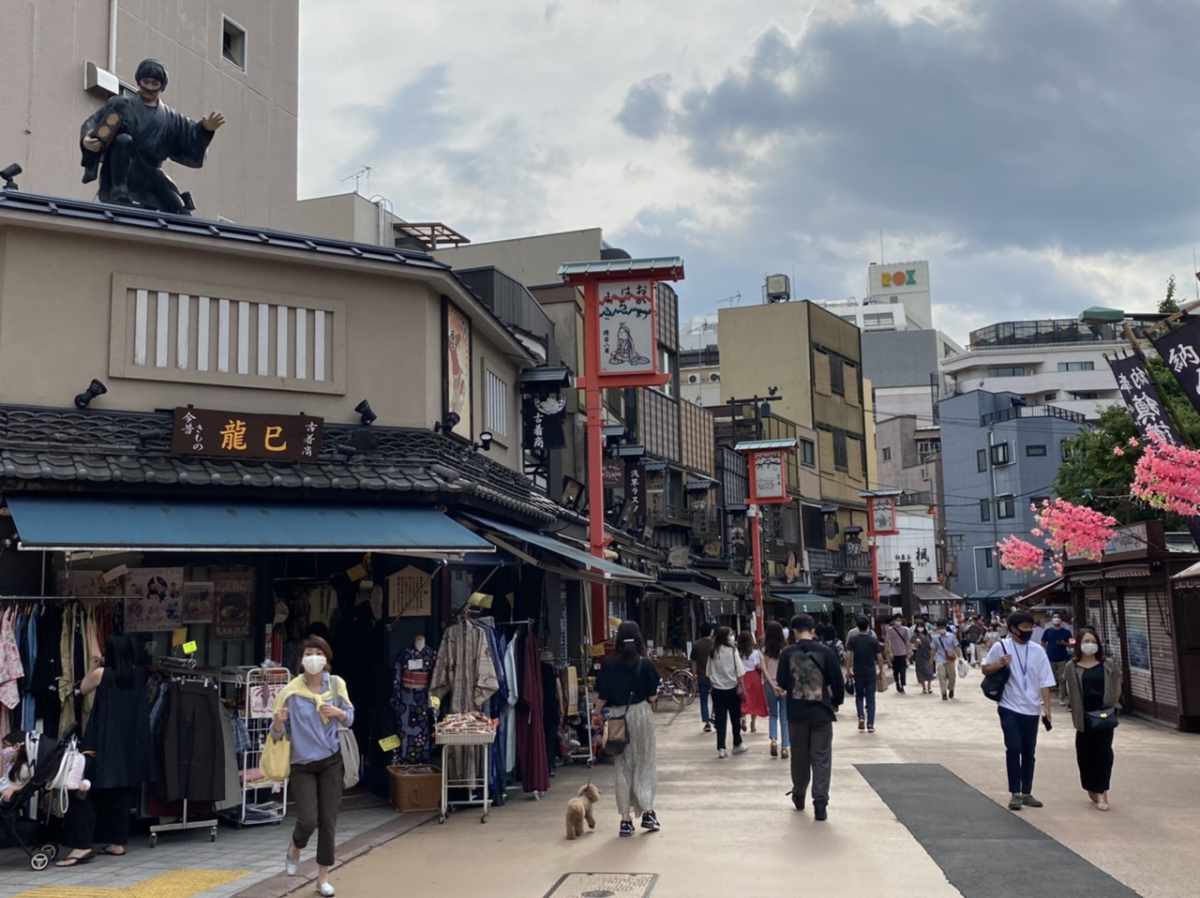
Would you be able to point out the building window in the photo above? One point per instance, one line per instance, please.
(837, 375)
(495, 393)
(1076, 366)
(1086, 394)
(839, 450)
(808, 453)
(1064, 449)
(1007, 371)
(1005, 507)
(1000, 454)
(927, 449)
(1035, 451)
(233, 43)
(987, 557)
(879, 320)
(887, 453)
(1050, 397)
(1037, 501)
(985, 509)
(981, 460)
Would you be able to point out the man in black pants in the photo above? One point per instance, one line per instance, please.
(811, 677)
(898, 637)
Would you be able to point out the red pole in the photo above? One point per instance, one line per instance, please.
(755, 513)
(595, 450)
(874, 572)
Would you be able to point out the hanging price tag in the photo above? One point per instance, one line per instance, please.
(435, 702)
(189, 648)
(390, 743)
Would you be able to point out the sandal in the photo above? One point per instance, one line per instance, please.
(115, 851)
(69, 861)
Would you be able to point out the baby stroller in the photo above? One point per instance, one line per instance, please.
(43, 765)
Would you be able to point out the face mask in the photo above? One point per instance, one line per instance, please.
(1089, 648)
(313, 664)
(1056, 622)
(1022, 636)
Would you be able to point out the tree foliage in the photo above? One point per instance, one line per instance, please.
(1169, 305)
(1092, 475)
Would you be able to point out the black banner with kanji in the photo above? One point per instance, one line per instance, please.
(1141, 397)
(1178, 348)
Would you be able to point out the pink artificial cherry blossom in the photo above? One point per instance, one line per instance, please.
(1118, 451)
(1075, 529)
(1018, 555)
(1167, 476)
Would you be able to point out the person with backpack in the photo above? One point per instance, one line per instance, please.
(727, 673)
(945, 654)
(627, 688)
(1026, 694)
(811, 677)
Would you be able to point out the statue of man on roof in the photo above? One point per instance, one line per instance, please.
(126, 142)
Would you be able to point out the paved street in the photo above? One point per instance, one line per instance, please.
(730, 831)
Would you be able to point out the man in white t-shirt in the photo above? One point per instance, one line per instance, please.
(1026, 697)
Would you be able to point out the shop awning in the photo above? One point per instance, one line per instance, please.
(1039, 591)
(70, 524)
(934, 592)
(609, 570)
(806, 602)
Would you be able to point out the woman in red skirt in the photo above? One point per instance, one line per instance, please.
(754, 702)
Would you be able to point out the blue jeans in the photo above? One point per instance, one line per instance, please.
(777, 706)
(705, 689)
(864, 691)
(1020, 745)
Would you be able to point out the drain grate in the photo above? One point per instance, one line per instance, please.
(603, 885)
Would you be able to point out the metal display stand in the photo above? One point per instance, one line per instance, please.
(585, 752)
(251, 685)
(469, 783)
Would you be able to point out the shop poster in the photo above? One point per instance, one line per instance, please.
(234, 591)
(199, 603)
(458, 370)
(153, 599)
(90, 584)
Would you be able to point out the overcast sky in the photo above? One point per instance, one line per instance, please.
(1042, 154)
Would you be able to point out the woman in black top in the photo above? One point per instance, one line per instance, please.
(1093, 683)
(118, 731)
(627, 687)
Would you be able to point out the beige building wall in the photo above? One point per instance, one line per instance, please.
(767, 346)
(872, 441)
(344, 216)
(250, 172)
(56, 333)
(533, 261)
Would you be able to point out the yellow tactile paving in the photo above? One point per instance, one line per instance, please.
(176, 884)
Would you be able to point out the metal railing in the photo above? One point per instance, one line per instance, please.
(1032, 411)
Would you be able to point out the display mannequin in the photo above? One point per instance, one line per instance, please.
(410, 702)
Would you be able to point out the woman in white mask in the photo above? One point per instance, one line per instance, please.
(1093, 684)
(312, 708)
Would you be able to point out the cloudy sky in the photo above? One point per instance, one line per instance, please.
(1042, 154)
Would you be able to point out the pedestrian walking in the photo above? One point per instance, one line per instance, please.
(773, 645)
(726, 671)
(1093, 683)
(1056, 640)
(312, 708)
(897, 637)
(754, 699)
(864, 659)
(700, 652)
(811, 677)
(627, 688)
(969, 638)
(922, 655)
(945, 655)
(1026, 695)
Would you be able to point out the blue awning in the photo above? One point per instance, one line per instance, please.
(69, 524)
(608, 569)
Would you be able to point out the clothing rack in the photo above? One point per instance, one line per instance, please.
(168, 666)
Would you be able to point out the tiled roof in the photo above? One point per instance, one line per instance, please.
(43, 448)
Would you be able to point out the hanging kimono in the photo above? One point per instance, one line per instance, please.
(496, 706)
(510, 711)
(10, 668)
(464, 678)
(410, 703)
(531, 733)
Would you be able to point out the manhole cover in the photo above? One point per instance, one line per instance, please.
(603, 885)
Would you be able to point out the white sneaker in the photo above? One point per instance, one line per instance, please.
(326, 889)
(289, 865)
(721, 754)
(740, 749)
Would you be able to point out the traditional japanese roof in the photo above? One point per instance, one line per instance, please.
(65, 450)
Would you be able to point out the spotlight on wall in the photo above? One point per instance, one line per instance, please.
(447, 426)
(84, 399)
(365, 413)
(485, 440)
(8, 173)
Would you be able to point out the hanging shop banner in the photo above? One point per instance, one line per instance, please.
(881, 513)
(767, 480)
(153, 599)
(1179, 349)
(199, 603)
(410, 593)
(614, 473)
(1141, 397)
(627, 338)
(234, 590)
(216, 434)
(456, 370)
(542, 422)
(634, 517)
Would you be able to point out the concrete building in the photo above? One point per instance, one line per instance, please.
(64, 58)
(902, 284)
(1047, 362)
(531, 260)
(998, 456)
(700, 375)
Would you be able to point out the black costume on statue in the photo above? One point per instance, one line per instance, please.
(137, 140)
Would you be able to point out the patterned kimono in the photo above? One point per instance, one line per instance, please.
(410, 702)
(464, 671)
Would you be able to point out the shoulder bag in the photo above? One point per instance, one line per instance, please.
(616, 729)
(994, 683)
(1100, 721)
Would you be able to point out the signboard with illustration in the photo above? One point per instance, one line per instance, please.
(456, 369)
(234, 590)
(627, 338)
(199, 603)
(153, 599)
(881, 512)
(767, 482)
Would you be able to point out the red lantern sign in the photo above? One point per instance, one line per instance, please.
(768, 478)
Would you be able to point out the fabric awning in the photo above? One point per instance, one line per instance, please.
(934, 592)
(1192, 572)
(70, 524)
(609, 570)
(699, 590)
(1039, 591)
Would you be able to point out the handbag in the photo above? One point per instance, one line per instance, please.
(963, 668)
(616, 729)
(276, 762)
(850, 685)
(993, 684)
(1101, 721)
(351, 759)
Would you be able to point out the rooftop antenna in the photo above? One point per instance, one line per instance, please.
(358, 177)
(734, 300)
